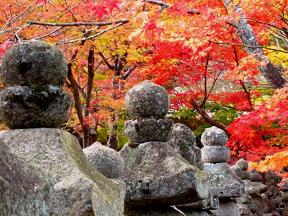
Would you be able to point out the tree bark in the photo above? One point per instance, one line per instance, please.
(271, 72)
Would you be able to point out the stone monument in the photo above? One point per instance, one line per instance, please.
(155, 175)
(34, 73)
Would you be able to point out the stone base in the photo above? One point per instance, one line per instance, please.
(24, 189)
(79, 189)
(156, 175)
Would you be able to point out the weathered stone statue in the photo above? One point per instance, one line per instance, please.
(223, 182)
(34, 73)
(155, 175)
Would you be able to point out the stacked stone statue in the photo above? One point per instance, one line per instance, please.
(33, 73)
(43, 171)
(223, 182)
(154, 173)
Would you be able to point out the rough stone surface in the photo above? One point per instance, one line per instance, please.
(168, 211)
(183, 141)
(145, 130)
(215, 154)
(223, 183)
(239, 172)
(214, 136)
(79, 188)
(24, 107)
(33, 63)
(156, 175)
(24, 190)
(106, 160)
(147, 100)
(255, 176)
(254, 188)
(228, 208)
(242, 164)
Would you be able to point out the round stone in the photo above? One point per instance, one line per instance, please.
(147, 100)
(33, 63)
(242, 164)
(214, 136)
(23, 107)
(215, 154)
(106, 160)
(183, 141)
(146, 130)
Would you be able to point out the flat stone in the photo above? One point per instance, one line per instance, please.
(23, 107)
(147, 100)
(223, 182)
(106, 160)
(214, 136)
(149, 129)
(215, 154)
(156, 175)
(33, 63)
(79, 188)
(24, 189)
(183, 141)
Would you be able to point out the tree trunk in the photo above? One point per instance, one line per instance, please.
(271, 72)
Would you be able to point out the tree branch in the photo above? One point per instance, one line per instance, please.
(106, 61)
(91, 61)
(128, 72)
(207, 118)
(92, 36)
(123, 21)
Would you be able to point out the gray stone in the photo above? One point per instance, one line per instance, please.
(242, 164)
(24, 107)
(255, 176)
(106, 160)
(24, 189)
(214, 136)
(223, 183)
(165, 211)
(228, 208)
(215, 154)
(254, 188)
(239, 172)
(147, 100)
(183, 141)
(33, 63)
(145, 130)
(156, 175)
(79, 188)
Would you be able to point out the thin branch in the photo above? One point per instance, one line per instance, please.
(123, 21)
(106, 61)
(205, 81)
(92, 36)
(128, 72)
(165, 5)
(247, 93)
(48, 34)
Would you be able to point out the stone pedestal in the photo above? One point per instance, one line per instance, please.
(79, 189)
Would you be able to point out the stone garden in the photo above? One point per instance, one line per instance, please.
(161, 171)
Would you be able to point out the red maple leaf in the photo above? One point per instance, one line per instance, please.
(41, 1)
